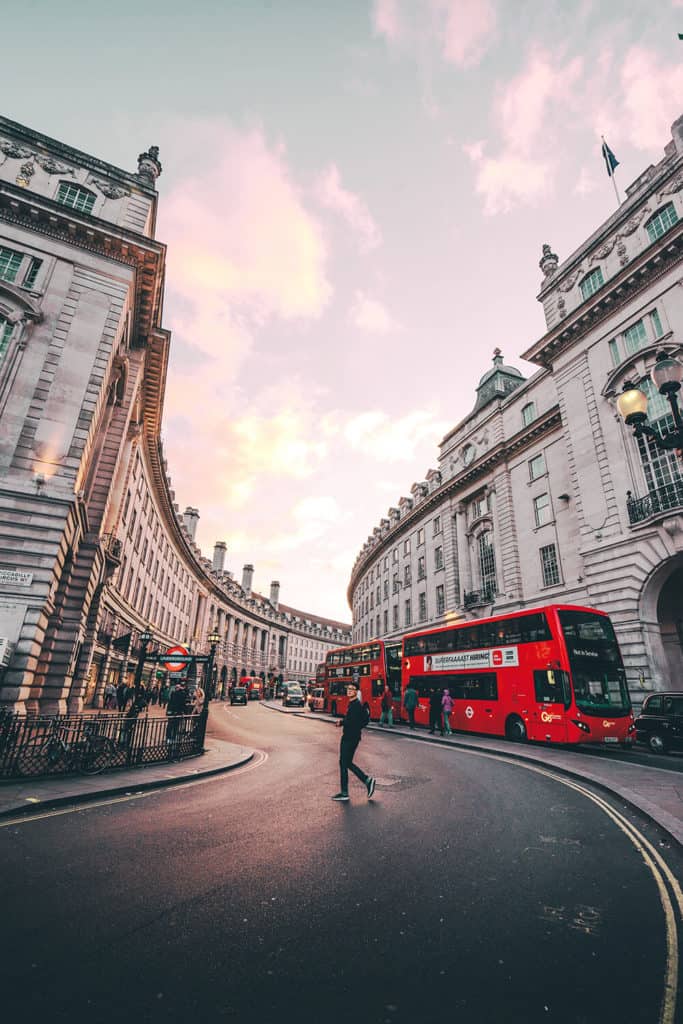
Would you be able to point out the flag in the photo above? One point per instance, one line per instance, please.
(610, 160)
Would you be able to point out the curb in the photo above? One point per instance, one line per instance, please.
(26, 810)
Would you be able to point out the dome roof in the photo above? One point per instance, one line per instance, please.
(497, 382)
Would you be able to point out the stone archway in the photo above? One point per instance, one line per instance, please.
(661, 609)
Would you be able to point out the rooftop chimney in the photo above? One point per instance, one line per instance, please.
(191, 518)
(219, 550)
(275, 593)
(247, 577)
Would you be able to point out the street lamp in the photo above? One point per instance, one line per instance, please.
(145, 640)
(214, 639)
(666, 375)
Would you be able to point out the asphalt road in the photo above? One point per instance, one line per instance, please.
(471, 888)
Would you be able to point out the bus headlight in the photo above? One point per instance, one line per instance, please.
(631, 728)
(580, 725)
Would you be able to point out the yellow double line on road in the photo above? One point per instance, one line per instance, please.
(670, 893)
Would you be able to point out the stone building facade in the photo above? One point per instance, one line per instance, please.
(93, 548)
(542, 494)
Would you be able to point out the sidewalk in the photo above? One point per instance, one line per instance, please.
(25, 795)
(657, 792)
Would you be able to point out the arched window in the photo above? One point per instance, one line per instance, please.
(487, 562)
(591, 283)
(6, 329)
(662, 468)
(661, 222)
(75, 196)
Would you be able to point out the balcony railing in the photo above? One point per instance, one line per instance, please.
(661, 499)
(476, 598)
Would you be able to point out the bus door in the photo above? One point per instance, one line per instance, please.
(551, 697)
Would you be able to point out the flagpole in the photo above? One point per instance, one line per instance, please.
(611, 173)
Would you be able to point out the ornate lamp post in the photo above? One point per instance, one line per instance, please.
(667, 374)
(145, 640)
(214, 639)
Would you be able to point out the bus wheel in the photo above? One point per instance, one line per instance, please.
(515, 729)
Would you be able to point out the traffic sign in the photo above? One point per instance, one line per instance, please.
(176, 658)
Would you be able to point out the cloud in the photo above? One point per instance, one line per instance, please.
(457, 31)
(370, 315)
(389, 439)
(240, 238)
(387, 20)
(652, 94)
(468, 30)
(527, 111)
(332, 195)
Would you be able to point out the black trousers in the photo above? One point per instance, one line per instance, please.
(435, 720)
(411, 717)
(347, 748)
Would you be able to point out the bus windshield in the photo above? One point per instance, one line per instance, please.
(595, 661)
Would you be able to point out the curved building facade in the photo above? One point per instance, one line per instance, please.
(93, 548)
(542, 494)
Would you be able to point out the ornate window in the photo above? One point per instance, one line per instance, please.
(422, 607)
(542, 509)
(440, 600)
(591, 283)
(487, 561)
(10, 262)
(549, 565)
(78, 198)
(528, 413)
(661, 222)
(537, 466)
(6, 329)
(438, 558)
(662, 468)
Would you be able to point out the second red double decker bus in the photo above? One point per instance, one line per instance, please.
(553, 674)
(368, 666)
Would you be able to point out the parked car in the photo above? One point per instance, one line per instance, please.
(660, 722)
(294, 696)
(316, 700)
(239, 695)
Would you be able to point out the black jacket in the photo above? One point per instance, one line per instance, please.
(177, 704)
(355, 720)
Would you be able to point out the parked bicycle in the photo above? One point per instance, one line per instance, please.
(68, 748)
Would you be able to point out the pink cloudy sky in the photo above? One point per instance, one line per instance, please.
(354, 197)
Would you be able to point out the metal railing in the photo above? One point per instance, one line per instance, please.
(660, 499)
(475, 598)
(89, 744)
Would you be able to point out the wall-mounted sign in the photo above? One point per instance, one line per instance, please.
(13, 578)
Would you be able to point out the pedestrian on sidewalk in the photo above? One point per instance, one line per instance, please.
(154, 694)
(177, 707)
(164, 694)
(387, 715)
(138, 704)
(353, 723)
(109, 696)
(435, 712)
(446, 708)
(121, 696)
(410, 700)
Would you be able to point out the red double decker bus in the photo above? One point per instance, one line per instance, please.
(553, 674)
(367, 665)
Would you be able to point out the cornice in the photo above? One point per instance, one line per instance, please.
(479, 471)
(637, 275)
(30, 137)
(651, 184)
(44, 216)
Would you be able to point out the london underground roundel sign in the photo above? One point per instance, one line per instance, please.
(176, 658)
